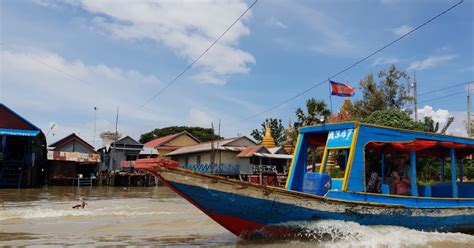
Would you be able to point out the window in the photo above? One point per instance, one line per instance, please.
(198, 159)
(186, 160)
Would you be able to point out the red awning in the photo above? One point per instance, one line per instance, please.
(453, 145)
(415, 145)
(423, 147)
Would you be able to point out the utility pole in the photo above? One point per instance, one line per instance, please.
(469, 126)
(213, 152)
(95, 126)
(218, 151)
(415, 95)
(115, 138)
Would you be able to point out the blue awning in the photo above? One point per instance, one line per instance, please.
(18, 132)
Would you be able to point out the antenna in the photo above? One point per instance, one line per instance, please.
(414, 95)
(116, 123)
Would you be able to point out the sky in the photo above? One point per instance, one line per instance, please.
(60, 59)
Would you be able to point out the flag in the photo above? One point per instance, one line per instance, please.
(340, 89)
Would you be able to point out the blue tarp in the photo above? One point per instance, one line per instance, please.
(18, 132)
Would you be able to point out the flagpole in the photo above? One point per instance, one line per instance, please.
(330, 95)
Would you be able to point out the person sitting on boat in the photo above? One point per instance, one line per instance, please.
(374, 182)
(401, 181)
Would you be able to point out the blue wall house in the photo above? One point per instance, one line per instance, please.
(22, 151)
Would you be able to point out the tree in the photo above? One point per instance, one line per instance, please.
(388, 94)
(202, 134)
(401, 119)
(276, 129)
(395, 118)
(449, 121)
(317, 112)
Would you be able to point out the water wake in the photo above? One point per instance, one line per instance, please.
(95, 208)
(333, 233)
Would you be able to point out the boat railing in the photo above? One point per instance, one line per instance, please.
(214, 168)
(257, 169)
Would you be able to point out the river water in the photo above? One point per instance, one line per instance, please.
(156, 216)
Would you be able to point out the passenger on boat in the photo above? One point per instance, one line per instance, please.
(401, 181)
(374, 182)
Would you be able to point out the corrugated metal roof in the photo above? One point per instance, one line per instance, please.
(206, 146)
(158, 141)
(74, 157)
(66, 140)
(249, 151)
(162, 140)
(267, 155)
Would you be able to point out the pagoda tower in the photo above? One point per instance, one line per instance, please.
(289, 143)
(268, 141)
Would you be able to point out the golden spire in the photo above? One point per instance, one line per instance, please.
(288, 145)
(268, 140)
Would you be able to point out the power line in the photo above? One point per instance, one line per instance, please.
(198, 58)
(441, 97)
(50, 66)
(445, 88)
(352, 65)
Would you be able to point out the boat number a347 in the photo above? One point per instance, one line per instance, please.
(341, 134)
(340, 138)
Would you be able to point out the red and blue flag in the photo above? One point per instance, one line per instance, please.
(340, 89)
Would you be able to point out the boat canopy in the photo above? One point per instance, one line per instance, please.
(355, 137)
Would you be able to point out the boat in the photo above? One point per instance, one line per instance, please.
(250, 210)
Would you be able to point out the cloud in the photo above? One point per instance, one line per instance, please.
(38, 90)
(276, 23)
(431, 62)
(186, 28)
(457, 128)
(199, 118)
(399, 31)
(384, 61)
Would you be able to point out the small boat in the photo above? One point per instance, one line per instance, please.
(250, 210)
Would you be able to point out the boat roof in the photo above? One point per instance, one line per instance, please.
(386, 131)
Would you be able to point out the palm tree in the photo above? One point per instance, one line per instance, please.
(432, 126)
(317, 112)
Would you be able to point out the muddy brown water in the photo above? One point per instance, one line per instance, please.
(156, 216)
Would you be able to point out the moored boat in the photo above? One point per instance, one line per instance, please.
(250, 210)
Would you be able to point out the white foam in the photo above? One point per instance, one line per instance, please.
(344, 234)
(95, 208)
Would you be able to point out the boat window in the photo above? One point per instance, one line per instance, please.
(390, 166)
(337, 161)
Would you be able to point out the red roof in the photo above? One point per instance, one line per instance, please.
(158, 142)
(12, 120)
(249, 151)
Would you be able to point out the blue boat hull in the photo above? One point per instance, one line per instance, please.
(250, 210)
